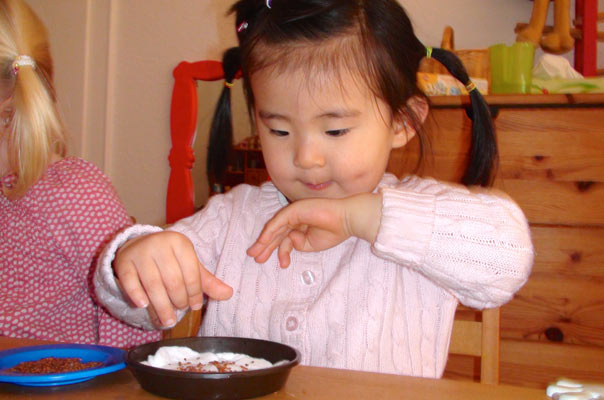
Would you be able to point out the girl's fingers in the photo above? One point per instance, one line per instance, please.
(192, 278)
(130, 284)
(267, 242)
(274, 233)
(172, 276)
(255, 249)
(212, 286)
(285, 249)
(298, 239)
(267, 251)
(153, 284)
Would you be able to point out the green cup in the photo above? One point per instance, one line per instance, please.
(511, 67)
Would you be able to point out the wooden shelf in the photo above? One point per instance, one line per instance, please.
(522, 100)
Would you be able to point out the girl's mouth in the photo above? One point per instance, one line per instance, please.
(318, 186)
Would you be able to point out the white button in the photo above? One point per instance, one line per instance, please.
(291, 324)
(308, 277)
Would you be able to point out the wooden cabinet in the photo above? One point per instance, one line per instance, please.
(552, 164)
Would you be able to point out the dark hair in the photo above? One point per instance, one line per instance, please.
(382, 45)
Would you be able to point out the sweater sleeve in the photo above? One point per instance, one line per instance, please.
(205, 229)
(475, 243)
(107, 288)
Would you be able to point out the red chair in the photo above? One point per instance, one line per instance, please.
(586, 44)
(183, 121)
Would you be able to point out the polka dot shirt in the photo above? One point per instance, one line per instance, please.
(49, 242)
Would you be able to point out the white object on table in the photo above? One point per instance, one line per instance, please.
(567, 389)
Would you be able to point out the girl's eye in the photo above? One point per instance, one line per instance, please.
(337, 132)
(279, 133)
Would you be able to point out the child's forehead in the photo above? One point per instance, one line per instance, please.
(336, 83)
(314, 66)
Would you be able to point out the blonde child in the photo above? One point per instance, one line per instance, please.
(56, 212)
(333, 256)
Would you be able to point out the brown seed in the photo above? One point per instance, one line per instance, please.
(52, 365)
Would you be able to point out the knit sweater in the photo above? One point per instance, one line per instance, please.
(384, 307)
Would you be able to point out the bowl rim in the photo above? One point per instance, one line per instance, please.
(137, 365)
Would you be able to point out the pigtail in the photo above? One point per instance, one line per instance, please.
(33, 122)
(483, 152)
(221, 130)
(38, 131)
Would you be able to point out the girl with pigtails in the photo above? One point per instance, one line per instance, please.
(56, 212)
(352, 266)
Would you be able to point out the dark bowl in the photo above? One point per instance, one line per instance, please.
(226, 385)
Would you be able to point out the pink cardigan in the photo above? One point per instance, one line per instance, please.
(386, 306)
(49, 242)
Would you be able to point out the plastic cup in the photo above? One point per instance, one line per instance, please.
(511, 67)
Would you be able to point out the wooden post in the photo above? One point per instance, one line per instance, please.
(586, 47)
(180, 201)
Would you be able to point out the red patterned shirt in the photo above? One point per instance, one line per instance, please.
(49, 242)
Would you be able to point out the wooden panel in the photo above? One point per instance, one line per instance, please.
(549, 151)
(563, 203)
(574, 307)
(552, 149)
(564, 291)
(534, 364)
(538, 364)
(569, 252)
(462, 367)
(464, 338)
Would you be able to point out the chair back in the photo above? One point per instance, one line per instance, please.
(479, 339)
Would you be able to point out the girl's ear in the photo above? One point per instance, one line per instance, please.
(404, 126)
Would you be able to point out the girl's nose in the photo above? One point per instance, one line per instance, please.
(308, 154)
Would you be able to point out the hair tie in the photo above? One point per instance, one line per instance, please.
(470, 86)
(22, 61)
(429, 52)
(268, 3)
(242, 26)
(228, 84)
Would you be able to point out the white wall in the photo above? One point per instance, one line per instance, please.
(114, 62)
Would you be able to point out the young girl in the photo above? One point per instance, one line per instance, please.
(333, 256)
(55, 212)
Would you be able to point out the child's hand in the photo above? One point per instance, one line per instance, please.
(162, 269)
(317, 224)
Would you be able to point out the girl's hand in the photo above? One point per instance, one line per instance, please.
(162, 269)
(318, 224)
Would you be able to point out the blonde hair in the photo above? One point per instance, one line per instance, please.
(36, 131)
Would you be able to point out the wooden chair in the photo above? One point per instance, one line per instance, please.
(479, 339)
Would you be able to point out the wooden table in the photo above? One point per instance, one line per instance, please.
(303, 383)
